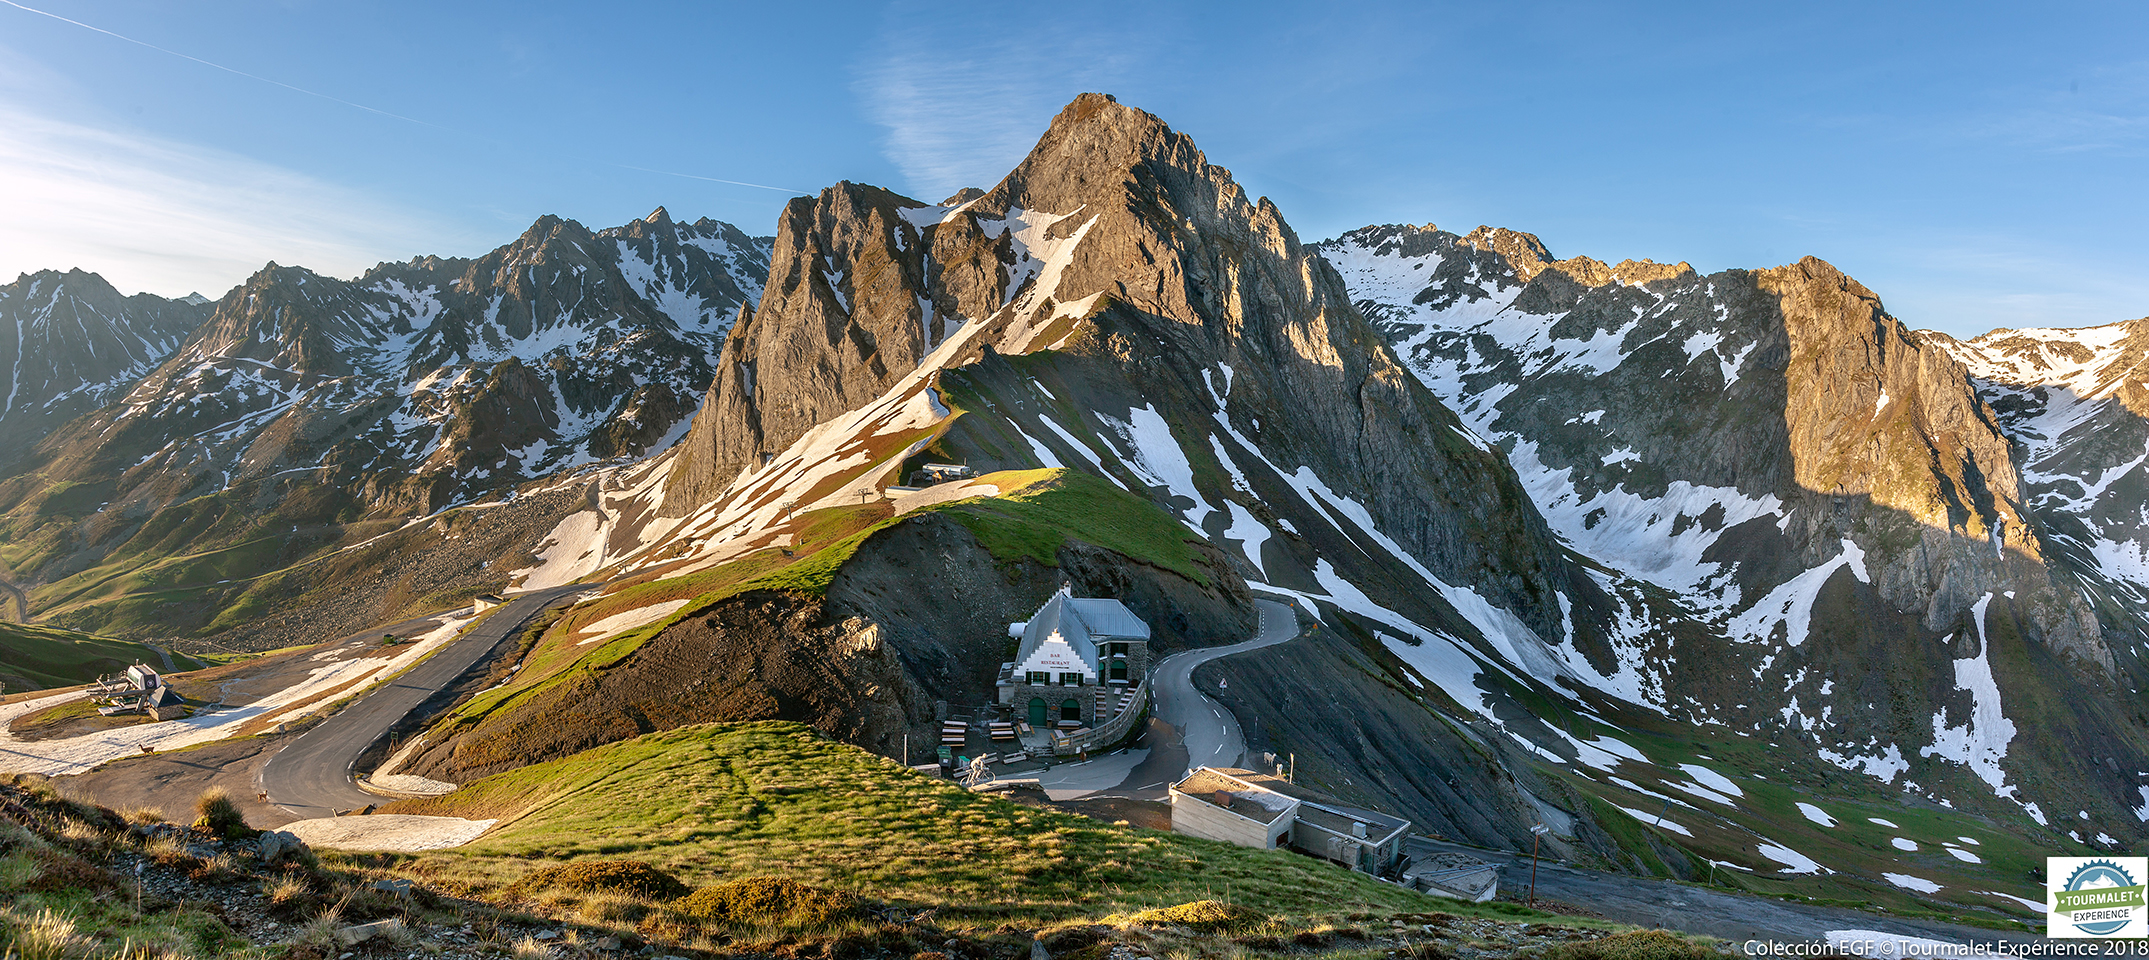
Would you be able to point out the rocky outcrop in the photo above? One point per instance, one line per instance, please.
(759, 656)
(846, 312)
(865, 663)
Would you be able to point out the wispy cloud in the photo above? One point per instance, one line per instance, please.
(167, 217)
(961, 109)
(1966, 285)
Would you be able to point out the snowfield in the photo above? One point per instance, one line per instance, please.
(79, 754)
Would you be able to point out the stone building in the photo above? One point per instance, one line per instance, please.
(1075, 657)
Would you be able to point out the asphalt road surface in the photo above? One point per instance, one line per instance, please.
(1210, 734)
(1661, 903)
(311, 776)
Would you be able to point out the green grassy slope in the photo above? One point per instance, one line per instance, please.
(37, 658)
(1036, 512)
(720, 802)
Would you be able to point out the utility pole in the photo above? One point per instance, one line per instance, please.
(1537, 832)
(1293, 778)
(906, 748)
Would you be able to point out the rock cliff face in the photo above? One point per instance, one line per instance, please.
(2073, 403)
(1790, 480)
(1201, 320)
(1117, 305)
(69, 344)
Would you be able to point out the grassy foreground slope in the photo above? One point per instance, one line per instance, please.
(720, 802)
(36, 658)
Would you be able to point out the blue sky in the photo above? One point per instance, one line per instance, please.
(1977, 165)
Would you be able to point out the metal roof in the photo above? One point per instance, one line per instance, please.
(1110, 618)
(1081, 623)
(1057, 616)
(1337, 819)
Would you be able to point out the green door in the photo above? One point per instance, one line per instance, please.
(1037, 711)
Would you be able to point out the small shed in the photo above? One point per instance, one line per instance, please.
(486, 601)
(1258, 810)
(1454, 875)
(164, 703)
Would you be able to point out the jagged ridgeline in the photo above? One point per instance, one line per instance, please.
(303, 414)
(1118, 313)
(1824, 534)
(69, 344)
(1748, 510)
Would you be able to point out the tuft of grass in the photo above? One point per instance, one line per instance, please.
(45, 935)
(215, 812)
(769, 902)
(1200, 914)
(1632, 945)
(630, 877)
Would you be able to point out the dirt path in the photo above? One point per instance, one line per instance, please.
(22, 600)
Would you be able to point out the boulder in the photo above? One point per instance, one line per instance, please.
(277, 846)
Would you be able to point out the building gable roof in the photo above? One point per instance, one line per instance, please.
(1057, 616)
(1081, 622)
(1109, 619)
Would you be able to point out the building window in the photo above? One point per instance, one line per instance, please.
(1119, 670)
(1071, 679)
(1040, 677)
(1119, 649)
(1071, 710)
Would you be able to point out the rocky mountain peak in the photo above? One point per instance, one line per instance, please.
(69, 342)
(276, 317)
(1116, 242)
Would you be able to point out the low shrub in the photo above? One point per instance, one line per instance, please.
(768, 901)
(59, 869)
(1633, 945)
(631, 877)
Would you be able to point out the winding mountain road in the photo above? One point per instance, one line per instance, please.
(1211, 735)
(312, 776)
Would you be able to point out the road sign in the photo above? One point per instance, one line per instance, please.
(1540, 829)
